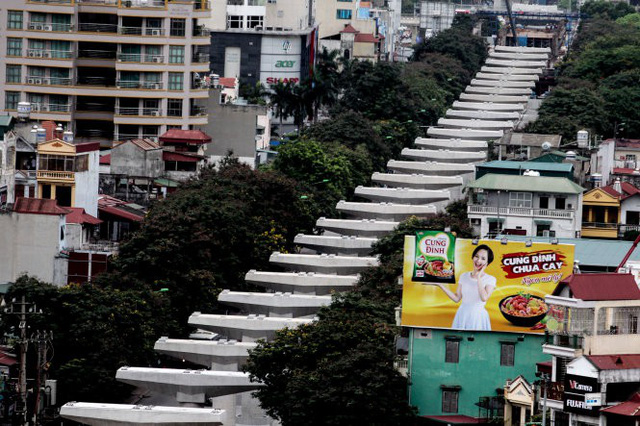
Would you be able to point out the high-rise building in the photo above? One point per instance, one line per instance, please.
(107, 69)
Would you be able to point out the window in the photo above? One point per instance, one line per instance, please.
(14, 47)
(544, 202)
(176, 54)
(255, 21)
(176, 81)
(235, 3)
(234, 21)
(11, 100)
(14, 73)
(449, 401)
(520, 199)
(561, 203)
(177, 28)
(346, 1)
(507, 354)
(174, 107)
(544, 230)
(15, 19)
(343, 14)
(452, 351)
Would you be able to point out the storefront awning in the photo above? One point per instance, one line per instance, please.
(495, 219)
(543, 222)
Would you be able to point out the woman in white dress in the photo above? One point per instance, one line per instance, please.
(474, 289)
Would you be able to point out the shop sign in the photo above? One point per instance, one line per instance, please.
(579, 395)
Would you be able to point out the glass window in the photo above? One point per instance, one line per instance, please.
(561, 203)
(36, 71)
(15, 19)
(520, 199)
(346, 1)
(176, 81)
(174, 107)
(235, 2)
(255, 21)
(14, 73)
(452, 351)
(449, 401)
(176, 54)
(507, 354)
(38, 18)
(177, 28)
(343, 14)
(234, 21)
(60, 49)
(11, 100)
(544, 202)
(14, 47)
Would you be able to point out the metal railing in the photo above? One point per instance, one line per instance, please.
(127, 136)
(201, 31)
(55, 54)
(145, 112)
(51, 1)
(141, 31)
(572, 341)
(143, 3)
(600, 225)
(520, 211)
(42, 107)
(48, 81)
(97, 54)
(197, 111)
(50, 174)
(139, 57)
(128, 84)
(91, 27)
(46, 26)
(200, 58)
(201, 5)
(104, 2)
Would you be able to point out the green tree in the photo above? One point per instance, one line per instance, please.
(605, 9)
(255, 94)
(280, 99)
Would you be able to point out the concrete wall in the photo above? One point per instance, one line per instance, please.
(87, 185)
(218, 19)
(329, 24)
(232, 127)
(478, 372)
(289, 14)
(128, 159)
(30, 243)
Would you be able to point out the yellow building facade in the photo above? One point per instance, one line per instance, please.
(601, 214)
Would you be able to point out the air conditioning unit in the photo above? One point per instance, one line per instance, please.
(155, 113)
(157, 59)
(38, 27)
(46, 54)
(31, 81)
(32, 26)
(155, 32)
(47, 27)
(155, 86)
(37, 81)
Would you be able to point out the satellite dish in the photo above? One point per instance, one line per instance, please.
(546, 146)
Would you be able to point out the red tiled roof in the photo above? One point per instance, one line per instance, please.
(348, 28)
(366, 38)
(627, 190)
(629, 408)
(38, 206)
(179, 156)
(458, 419)
(615, 362)
(625, 171)
(601, 286)
(119, 212)
(105, 159)
(627, 143)
(185, 136)
(8, 360)
(116, 207)
(145, 144)
(87, 147)
(78, 215)
(229, 82)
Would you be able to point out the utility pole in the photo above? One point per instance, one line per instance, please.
(22, 313)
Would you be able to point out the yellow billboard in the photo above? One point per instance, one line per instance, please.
(498, 286)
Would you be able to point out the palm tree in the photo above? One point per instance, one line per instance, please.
(280, 99)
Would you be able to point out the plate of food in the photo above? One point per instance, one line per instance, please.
(523, 310)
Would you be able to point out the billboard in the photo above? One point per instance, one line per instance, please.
(497, 287)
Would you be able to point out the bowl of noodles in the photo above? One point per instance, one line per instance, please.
(523, 310)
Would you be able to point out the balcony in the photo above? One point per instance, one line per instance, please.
(98, 2)
(90, 27)
(48, 81)
(564, 345)
(520, 211)
(599, 230)
(43, 107)
(53, 54)
(51, 1)
(120, 137)
(130, 84)
(155, 32)
(198, 111)
(201, 31)
(57, 176)
(139, 112)
(140, 58)
(200, 58)
(143, 3)
(96, 54)
(44, 26)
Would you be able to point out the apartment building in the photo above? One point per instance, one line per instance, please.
(106, 69)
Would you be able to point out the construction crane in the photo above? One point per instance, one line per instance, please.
(629, 253)
(512, 22)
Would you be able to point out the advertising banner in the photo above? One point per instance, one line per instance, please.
(499, 287)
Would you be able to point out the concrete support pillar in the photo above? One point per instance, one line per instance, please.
(228, 404)
(507, 414)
